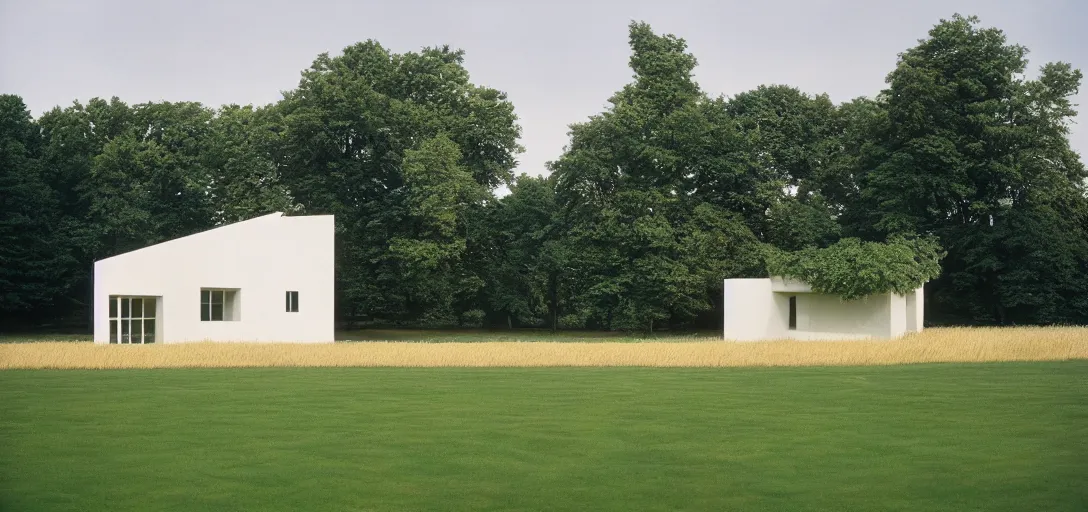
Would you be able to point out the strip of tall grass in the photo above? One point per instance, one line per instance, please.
(931, 346)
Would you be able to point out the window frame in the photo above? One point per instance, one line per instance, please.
(219, 304)
(124, 323)
(292, 301)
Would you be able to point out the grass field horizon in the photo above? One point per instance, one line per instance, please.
(999, 436)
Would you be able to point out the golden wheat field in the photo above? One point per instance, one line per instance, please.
(931, 346)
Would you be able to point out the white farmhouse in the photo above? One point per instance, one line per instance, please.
(777, 308)
(265, 279)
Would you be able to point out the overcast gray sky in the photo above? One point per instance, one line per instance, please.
(558, 61)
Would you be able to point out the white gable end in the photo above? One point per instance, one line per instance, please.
(231, 283)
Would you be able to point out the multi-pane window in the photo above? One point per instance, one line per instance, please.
(217, 305)
(292, 302)
(132, 319)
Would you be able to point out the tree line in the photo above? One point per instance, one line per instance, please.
(962, 158)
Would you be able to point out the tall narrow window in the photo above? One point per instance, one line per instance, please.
(292, 302)
(793, 313)
(132, 320)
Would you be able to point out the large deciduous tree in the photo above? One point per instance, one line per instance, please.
(654, 201)
(72, 138)
(399, 147)
(522, 233)
(151, 183)
(792, 140)
(644, 185)
(244, 181)
(978, 155)
(34, 260)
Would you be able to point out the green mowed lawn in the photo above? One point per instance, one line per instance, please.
(924, 437)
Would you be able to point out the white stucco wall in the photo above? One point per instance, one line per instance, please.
(898, 320)
(750, 312)
(916, 311)
(262, 258)
(868, 316)
(758, 309)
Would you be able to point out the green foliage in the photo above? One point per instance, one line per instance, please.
(34, 260)
(526, 281)
(853, 269)
(644, 249)
(977, 155)
(794, 224)
(717, 245)
(404, 150)
(244, 180)
(653, 202)
(789, 133)
(431, 242)
(150, 183)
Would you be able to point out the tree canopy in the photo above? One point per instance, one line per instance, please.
(959, 173)
(852, 269)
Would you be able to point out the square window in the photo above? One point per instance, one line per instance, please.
(132, 319)
(219, 305)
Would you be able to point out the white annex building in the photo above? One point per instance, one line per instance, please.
(265, 279)
(777, 308)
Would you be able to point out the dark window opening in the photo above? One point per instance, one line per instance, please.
(793, 313)
(292, 302)
(218, 305)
